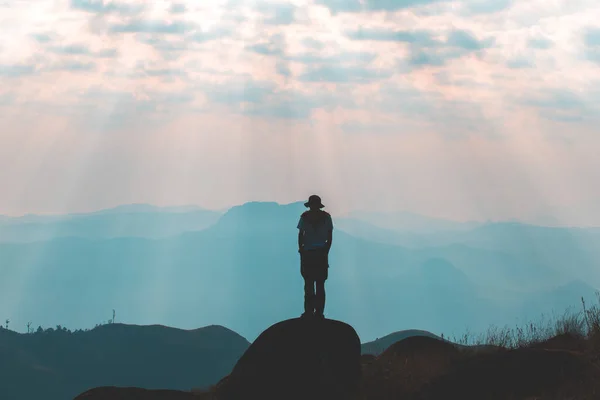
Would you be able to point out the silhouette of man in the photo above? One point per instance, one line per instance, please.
(315, 234)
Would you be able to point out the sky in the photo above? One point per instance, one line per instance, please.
(466, 110)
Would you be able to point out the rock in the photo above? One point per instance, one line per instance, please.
(298, 359)
(120, 393)
(406, 366)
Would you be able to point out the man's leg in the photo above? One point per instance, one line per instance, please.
(309, 286)
(309, 296)
(320, 298)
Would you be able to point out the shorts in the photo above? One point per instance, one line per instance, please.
(314, 265)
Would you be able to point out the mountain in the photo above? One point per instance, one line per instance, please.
(402, 221)
(260, 217)
(574, 249)
(136, 220)
(533, 249)
(371, 232)
(146, 208)
(57, 364)
(243, 272)
(379, 345)
(557, 299)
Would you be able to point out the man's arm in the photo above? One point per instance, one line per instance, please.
(300, 239)
(300, 234)
(329, 233)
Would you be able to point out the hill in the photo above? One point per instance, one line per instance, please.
(420, 367)
(379, 345)
(58, 364)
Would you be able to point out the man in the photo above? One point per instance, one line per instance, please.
(315, 233)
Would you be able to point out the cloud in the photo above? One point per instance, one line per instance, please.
(519, 62)
(239, 91)
(420, 37)
(425, 49)
(162, 72)
(591, 40)
(564, 105)
(153, 26)
(558, 99)
(336, 6)
(279, 14)
(397, 99)
(169, 49)
(284, 109)
(83, 50)
(42, 37)
(422, 58)
(343, 75)
(201, 37)
(291, 104)
(178, 8)
(107, 53)
(264, 99)
(540, 43)
(283, 69)
(265, 49)
(17, 70)
(474, 7)
(313, 44)
(73, 66)
(458, 43)
(344, 57)
(275, 46)
(466, 40)
(72, 49)
(592, 37)
(107, 7)
(162, 45)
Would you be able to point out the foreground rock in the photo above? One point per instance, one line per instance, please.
(298, 359)
(115, 393)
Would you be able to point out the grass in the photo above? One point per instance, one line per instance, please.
(584, 323)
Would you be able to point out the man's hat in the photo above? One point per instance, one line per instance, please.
(314, 201)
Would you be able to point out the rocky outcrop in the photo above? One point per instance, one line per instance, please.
(298, 359)
(117, 393)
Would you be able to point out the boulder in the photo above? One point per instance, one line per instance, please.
(298, 359)
(130, 393)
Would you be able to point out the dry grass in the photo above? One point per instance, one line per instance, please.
(553, 358)
(584, 323)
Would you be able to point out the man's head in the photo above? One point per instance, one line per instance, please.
(314, 202)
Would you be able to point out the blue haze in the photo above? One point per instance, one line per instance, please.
(240, 269)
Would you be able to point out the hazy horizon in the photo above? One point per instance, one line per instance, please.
(542, 220)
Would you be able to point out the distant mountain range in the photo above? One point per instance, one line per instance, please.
(135, 220)
(406, 222)
(57, 365)
(240, 269)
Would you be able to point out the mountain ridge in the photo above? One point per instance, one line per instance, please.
(58, 364)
